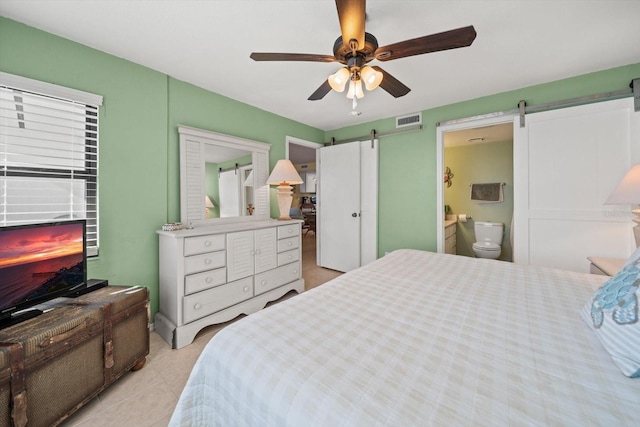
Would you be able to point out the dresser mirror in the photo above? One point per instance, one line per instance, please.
(222, 178)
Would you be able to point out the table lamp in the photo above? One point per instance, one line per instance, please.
(284, 175)
(628, 193)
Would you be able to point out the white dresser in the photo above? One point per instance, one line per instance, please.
(212, 274)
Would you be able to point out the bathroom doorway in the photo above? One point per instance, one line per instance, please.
(478, 152)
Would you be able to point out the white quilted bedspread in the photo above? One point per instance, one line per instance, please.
(416, 339)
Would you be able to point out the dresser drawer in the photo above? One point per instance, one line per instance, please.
(204, 262)
(288, 244)
(212, 300)
(201, 281)
(288, 257)
(277, 277)
(288, 231)
(202, 244)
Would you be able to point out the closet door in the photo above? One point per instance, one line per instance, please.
(265, 250)
(240, 255)
(566, 163)
(229, 194)
(347, 205)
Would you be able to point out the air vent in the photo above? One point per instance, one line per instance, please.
(409, 120)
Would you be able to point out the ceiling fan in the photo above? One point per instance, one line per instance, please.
(355, 48)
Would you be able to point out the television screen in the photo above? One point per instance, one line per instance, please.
(39, 262)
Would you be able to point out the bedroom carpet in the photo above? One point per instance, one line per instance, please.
(146, 398)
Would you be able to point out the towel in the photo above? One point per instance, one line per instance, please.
(487, 193)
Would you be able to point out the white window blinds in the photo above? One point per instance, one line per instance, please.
(48, 154)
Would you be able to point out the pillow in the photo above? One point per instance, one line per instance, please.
(613, 314)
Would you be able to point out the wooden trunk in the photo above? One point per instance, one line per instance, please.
(63, 358)
(126, 326)
(5, 386)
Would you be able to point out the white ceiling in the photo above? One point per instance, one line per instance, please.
(480, 135)
(520, 43)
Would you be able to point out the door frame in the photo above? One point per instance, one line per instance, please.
(461, 124)
(316, 146)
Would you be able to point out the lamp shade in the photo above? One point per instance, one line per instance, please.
(628, 190)
(249, 181)
(371, 77)
(284, 172)
(355, 89)
(208, 203)
(339, 80)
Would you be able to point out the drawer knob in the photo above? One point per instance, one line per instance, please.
(208, 280)
(207, 261)
(290, 256)
(207, 243)
(264, 282)
(290, 243)
(295, 271)
(290, 230)
(246, 289)
(197, 306)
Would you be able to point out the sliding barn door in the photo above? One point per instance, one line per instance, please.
(229, 194)
(347, 205)
(566, 163)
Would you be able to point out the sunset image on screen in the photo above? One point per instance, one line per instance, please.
(39, 244)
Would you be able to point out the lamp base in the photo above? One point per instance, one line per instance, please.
(284, 197)
(636, 228)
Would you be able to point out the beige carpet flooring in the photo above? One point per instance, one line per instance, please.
(146, 398)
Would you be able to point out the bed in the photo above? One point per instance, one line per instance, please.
(416, 338)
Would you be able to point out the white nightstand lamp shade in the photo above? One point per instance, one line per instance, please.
(284, 175)
(628, 193)
(208, 203)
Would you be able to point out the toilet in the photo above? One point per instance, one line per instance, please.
(488, 239)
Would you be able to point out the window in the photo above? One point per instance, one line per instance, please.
(48, 154)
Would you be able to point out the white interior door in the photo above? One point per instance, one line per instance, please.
(566, 163)
(368, 202)
(348, 205)
(339, 206)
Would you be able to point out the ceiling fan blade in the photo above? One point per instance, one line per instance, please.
(392, 85)
(266, 56)
(460, 37)
(320, 92)
(351, 14)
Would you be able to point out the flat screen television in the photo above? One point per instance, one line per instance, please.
(39, 262)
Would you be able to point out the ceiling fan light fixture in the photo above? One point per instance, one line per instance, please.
(338, 80)
(355, 89)
(371, 77)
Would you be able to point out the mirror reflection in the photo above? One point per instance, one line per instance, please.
(228, 183)
(222, 178)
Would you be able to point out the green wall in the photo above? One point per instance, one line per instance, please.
(408, 182)
(478, 163)
(139, 156)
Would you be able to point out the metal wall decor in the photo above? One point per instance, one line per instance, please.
(448, 177)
